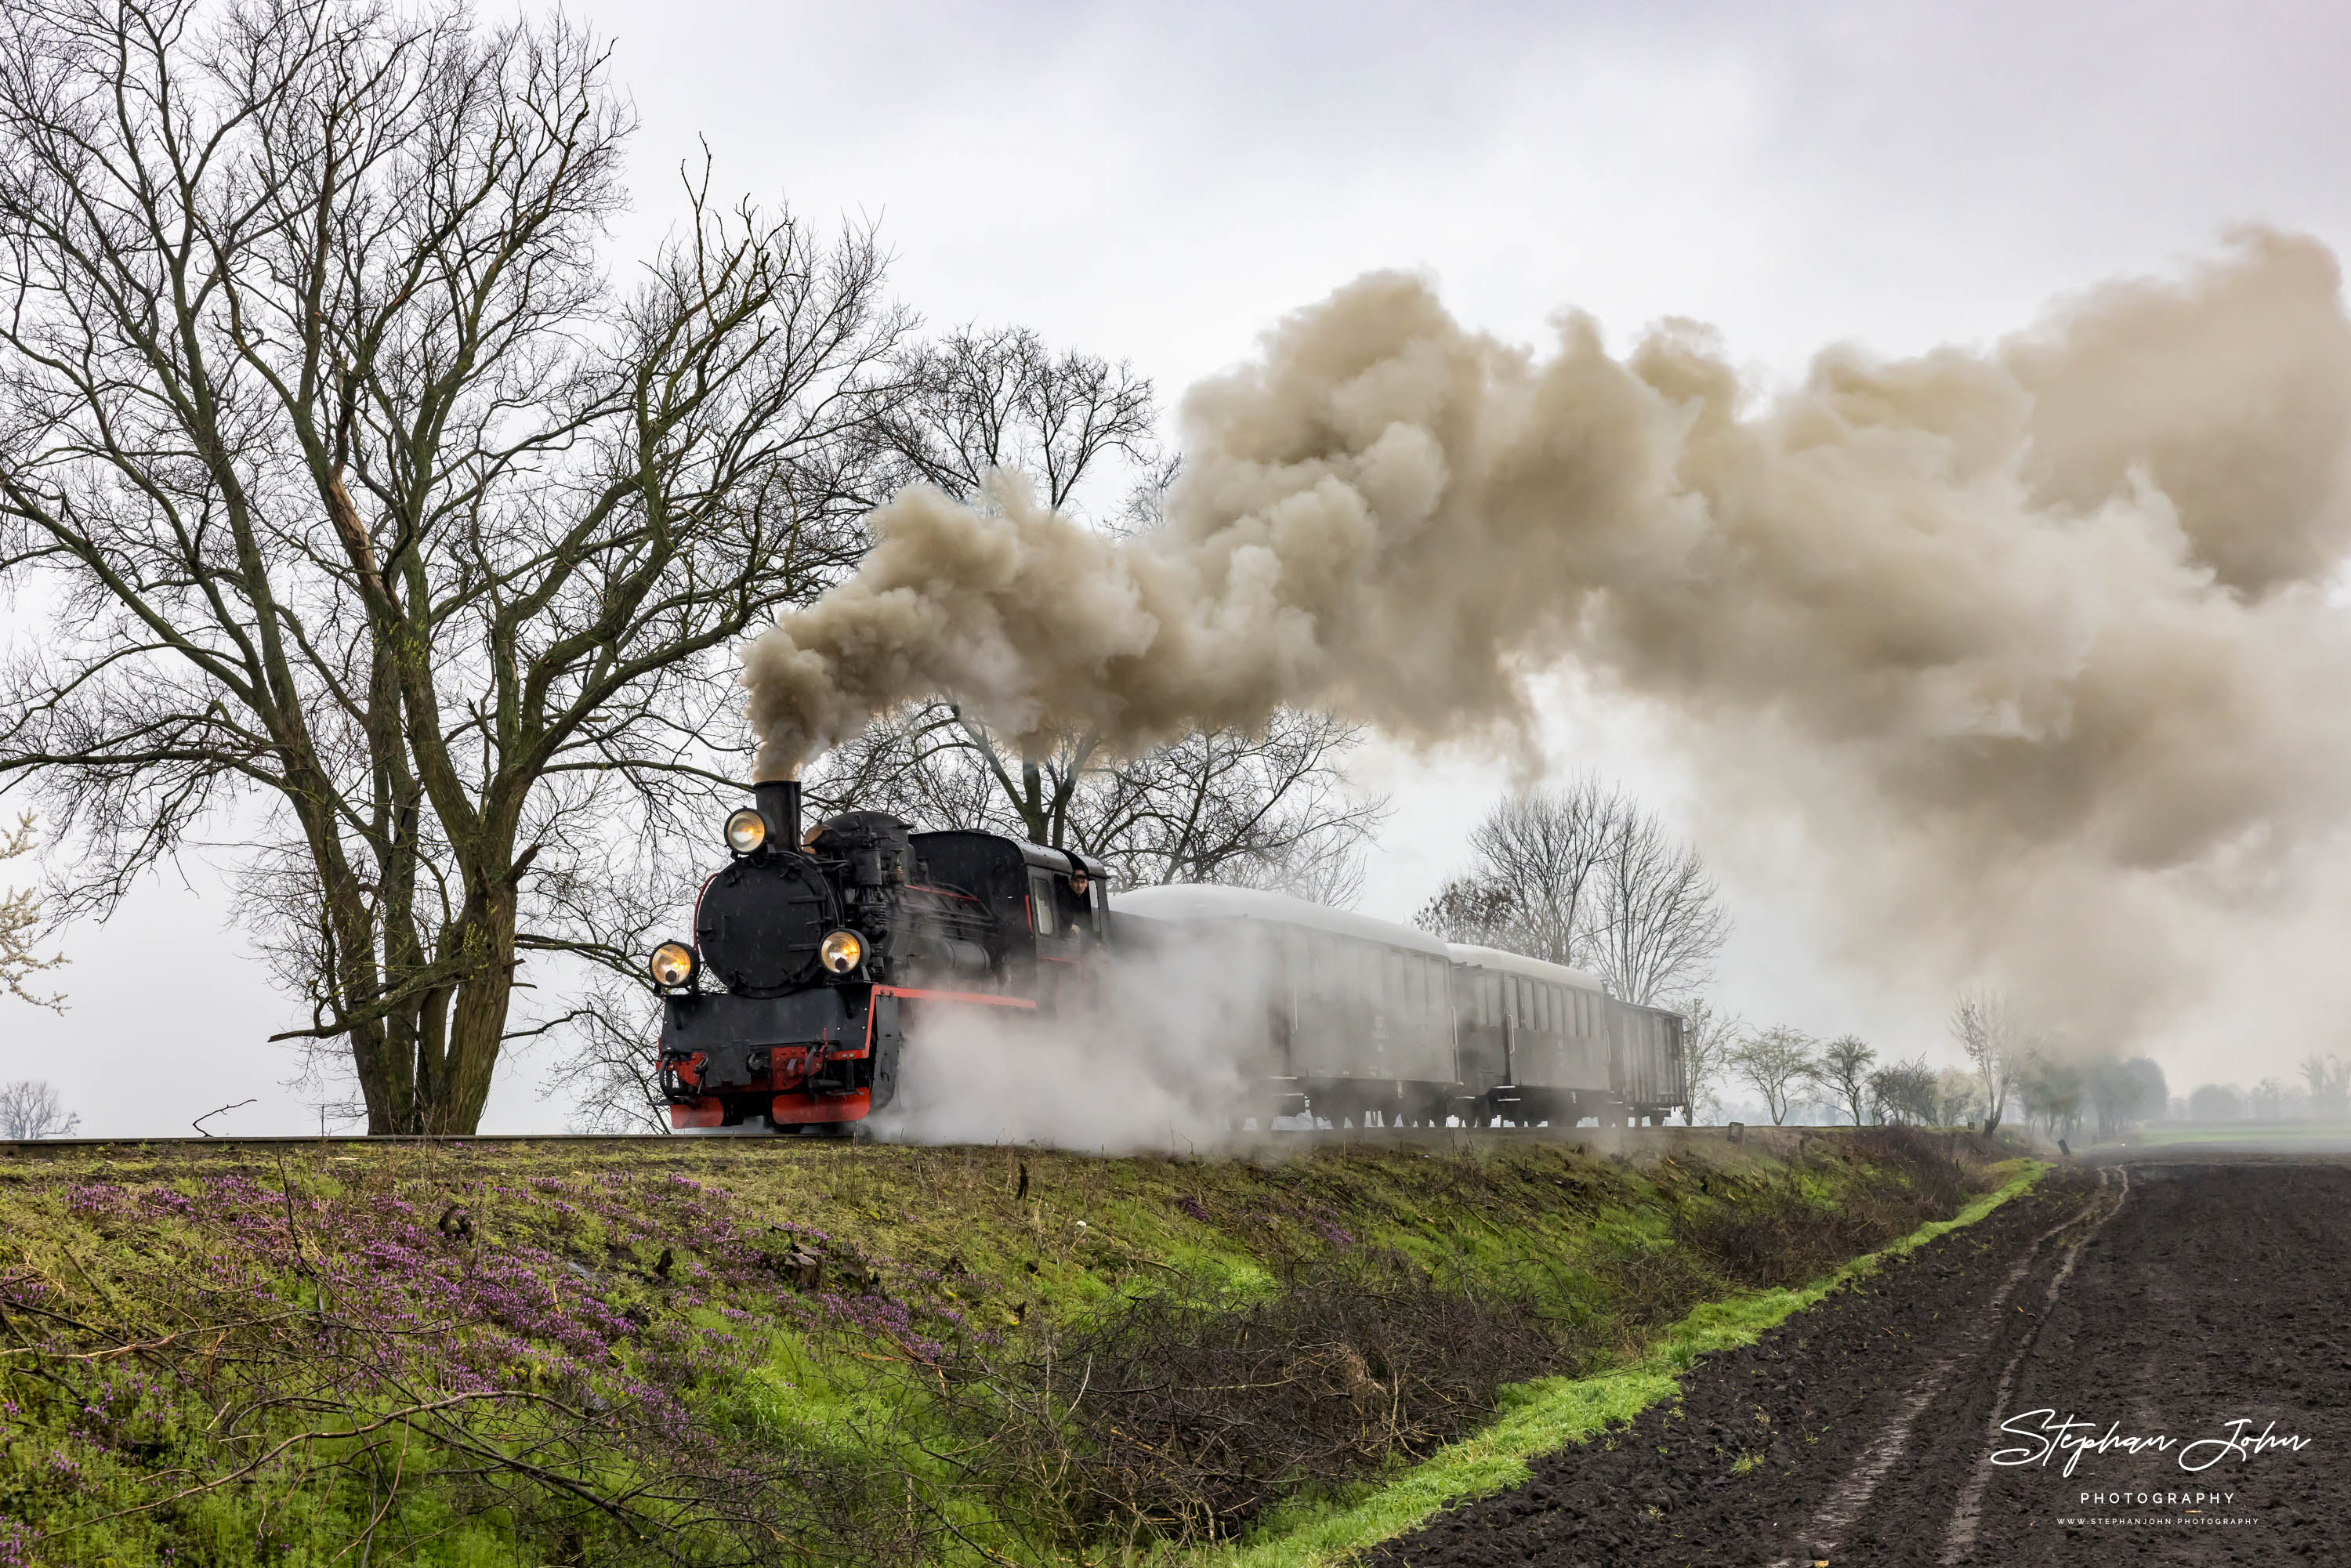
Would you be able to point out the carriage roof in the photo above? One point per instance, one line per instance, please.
(1207, 900)
(1518, 964)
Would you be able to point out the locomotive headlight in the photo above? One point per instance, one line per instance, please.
(745, 831)
(671, 964)
(840, 952)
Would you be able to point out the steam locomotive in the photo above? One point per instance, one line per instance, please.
(828, 948)
(814, 956)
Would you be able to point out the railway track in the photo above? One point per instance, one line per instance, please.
(1600, 1140)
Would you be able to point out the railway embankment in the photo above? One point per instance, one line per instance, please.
(723, 1351)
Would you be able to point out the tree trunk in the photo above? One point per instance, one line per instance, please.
(477, 1015)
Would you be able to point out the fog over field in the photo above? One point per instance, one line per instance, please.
(1968, 587)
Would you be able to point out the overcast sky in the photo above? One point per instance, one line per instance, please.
(1158, 185)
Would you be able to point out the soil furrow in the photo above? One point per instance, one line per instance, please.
(2164, 1302)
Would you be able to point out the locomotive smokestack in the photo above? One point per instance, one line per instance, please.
(780, 802)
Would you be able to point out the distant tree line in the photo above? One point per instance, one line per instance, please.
(2059, 1089)
(2323, 1095)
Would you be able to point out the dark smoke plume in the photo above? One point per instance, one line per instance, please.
(2032, 636)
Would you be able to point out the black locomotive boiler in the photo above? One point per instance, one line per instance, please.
(813, 956)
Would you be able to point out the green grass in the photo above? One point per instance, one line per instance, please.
(1543, 1416)
(2243, 1134)
(678, 1235)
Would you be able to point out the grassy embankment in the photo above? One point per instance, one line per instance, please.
(1555, 1413)
(714, 1353)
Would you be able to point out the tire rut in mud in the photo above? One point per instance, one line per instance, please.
(1863, 1425)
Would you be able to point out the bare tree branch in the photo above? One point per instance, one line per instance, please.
(20, 922)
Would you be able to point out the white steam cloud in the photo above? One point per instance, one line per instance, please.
(1156, 1060)
(2038, 638)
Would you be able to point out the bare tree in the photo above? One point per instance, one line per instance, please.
(1660, 922)
(361, 491)
(982, 408)
(2329, 1078)
(1958, 1097)
(1708, 1039)
(1775, 1063)
(1843, 1071)
(1269, 810)
(2115, 1094)
(29, 1108)
(1982, 1023)
(610, 1078)
(1903, 1093)
(1583, 876)
(20, 920)
(1550, 849)
(983, 401)
(1468, 909)
(1262, 811)
(2051, 1088)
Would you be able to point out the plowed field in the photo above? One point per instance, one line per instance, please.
(2179, 1334)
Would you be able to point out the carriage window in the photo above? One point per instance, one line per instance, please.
(1040, 904)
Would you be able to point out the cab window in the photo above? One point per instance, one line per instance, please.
(1041, 913)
